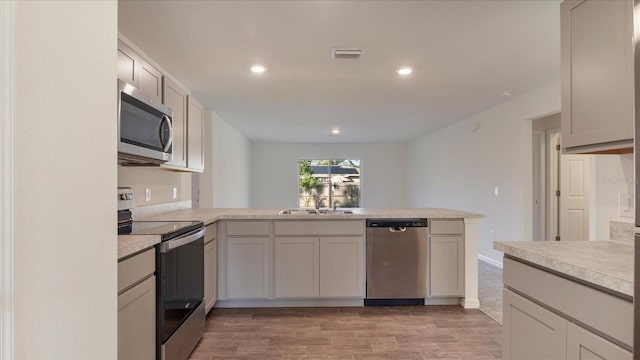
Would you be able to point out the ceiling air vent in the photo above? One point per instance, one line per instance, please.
(346, 53)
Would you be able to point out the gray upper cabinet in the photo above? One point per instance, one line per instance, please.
(150, 81)
(135, 70)
(597, 76)
(175, 98)
(128, 64)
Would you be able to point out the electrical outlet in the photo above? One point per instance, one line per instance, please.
(625, 205)
(174, 193)
(147, 194)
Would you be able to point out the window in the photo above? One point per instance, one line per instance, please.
(329, 183)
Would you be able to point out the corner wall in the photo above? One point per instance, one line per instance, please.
(65, 178)
(610, 176)
(274, 169)
(460, 165)
(225, 183)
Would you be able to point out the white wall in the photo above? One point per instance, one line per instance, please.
(610, 176)
(460, 165)
(225, 181)
(65, 178)
(274, 170)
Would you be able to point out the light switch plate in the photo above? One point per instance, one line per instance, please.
(625, 205)
(174, 193)
(147, 194)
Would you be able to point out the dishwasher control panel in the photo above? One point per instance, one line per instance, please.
(382, 223)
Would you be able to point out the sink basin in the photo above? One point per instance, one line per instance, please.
(298, 212)
(314, 212)
(334, 212)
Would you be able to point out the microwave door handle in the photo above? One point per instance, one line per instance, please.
(168, 144)
(175, 243)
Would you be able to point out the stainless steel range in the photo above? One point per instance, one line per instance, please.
(180, 314)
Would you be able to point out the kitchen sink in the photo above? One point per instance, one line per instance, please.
(314, 212)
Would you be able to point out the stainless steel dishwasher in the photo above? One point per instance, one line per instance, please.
(396, 261)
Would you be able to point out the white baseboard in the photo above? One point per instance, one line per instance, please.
(490, 261)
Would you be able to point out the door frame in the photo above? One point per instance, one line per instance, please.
(7, 28)
(539, 185)
(553, 184)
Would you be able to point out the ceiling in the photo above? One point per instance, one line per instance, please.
(464, 54)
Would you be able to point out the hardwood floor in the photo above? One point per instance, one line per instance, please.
(407, 332)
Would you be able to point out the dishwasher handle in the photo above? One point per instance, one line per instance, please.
(398, 229)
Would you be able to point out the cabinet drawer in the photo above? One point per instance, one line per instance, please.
(211, 233)
(444, 227)
(320, 227)
(136, 268)
(577, 301)
(583, 345)
(248, 228)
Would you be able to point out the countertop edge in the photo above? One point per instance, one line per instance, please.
(580, 273)
(131, 244)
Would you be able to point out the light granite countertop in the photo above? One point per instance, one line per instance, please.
(130, 244)
(211, 215)
(607, 264)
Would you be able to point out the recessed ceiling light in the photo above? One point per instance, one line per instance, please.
(505, 93)
(258, 69)
(335, 132)
(404, 71)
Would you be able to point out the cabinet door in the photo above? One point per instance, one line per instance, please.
(296, 267)
(137, 321)
(248, 268)
(342, 267)
(128, 64)
(195, 149)
(585, 345)
(210, 274)
(175, 98)
(530, 331)
(446, 266)
(597, 72)
(150, 81)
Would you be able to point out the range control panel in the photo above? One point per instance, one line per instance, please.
(126, 199)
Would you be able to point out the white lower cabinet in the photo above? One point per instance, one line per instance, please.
(137, 321)
(342, 266)
(137, 307)
(210, 274)
(446, 268)
(531, 332)
(296, 267)
(248, 267)
(550, 317)
(585, 345)
(326, 267)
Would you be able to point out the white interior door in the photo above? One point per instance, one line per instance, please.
(574, 197)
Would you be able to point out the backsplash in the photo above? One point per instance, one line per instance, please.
(622, 231)
(160, 182)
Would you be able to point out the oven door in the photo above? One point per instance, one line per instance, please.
(145, 129)
(180, 281)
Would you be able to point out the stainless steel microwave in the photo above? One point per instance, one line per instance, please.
(145, 131)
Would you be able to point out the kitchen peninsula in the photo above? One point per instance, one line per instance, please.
(265, 258)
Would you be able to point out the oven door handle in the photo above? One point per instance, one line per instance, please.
(175, 243)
